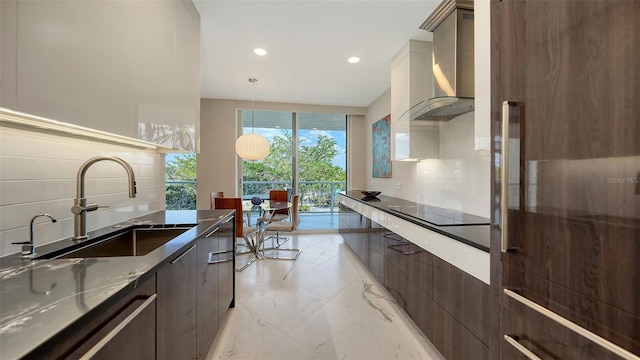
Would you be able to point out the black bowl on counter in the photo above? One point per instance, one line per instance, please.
(371, 194)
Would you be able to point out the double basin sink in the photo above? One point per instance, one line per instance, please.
(137, 241)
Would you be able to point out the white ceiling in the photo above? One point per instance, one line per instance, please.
(308, 43)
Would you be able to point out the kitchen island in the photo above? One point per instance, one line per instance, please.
(46, 305)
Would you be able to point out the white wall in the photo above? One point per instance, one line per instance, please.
(356, 152)
(38, 175)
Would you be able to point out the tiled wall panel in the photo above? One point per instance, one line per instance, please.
(38, 175)
(460, 178)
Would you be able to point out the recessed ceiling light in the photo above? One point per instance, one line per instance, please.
(260, 51)
(354, 60)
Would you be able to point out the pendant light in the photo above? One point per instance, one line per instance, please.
(252, 146)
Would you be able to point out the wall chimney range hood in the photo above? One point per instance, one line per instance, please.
(453, 49)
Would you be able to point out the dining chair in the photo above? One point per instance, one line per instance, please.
(278, 215)
(247, 233)
(213, 196)
(285, 226)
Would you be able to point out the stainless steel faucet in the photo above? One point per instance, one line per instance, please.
(80, 206)
(29, 247)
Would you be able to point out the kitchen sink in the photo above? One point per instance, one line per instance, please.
(133, 242)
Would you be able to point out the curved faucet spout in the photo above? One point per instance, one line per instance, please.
(34, 219)
(83, 169)
(29, 247)
(80, 206)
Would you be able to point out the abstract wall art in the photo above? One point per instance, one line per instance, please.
(381, 144)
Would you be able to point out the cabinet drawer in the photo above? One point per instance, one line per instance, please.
(176, 284)
(125, 331)
(466, 298)
(453, 340)
(532, 328)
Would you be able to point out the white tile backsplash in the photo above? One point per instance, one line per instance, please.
(460, 179)
(38, 175)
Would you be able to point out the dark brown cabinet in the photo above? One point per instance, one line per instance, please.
(215, 279)
(226, 264)
(453, 340)
(207, 293)
(176, 284)
(567, 73)
(408, 278)
(450, 306)
(125, 331)
(354, 229)
(376, 251)
(195, 290)
(462, 309)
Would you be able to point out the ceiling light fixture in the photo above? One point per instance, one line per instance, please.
(354, 60)
(260, 51)
(252, 146)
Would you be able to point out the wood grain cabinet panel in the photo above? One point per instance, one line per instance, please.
(453, 340)
(215, 283)
(546, 338)
(136, 340)
(407, 275)
(354, 229)
(573, 217)
(362, 240)
(225, 261)
(448, 305)
(376, 251)
(176, 322)
(207, 294)
(348, 227)
(463, 297)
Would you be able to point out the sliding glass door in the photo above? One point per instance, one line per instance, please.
(308, 156)
(275, 171)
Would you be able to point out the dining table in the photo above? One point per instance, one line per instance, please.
(265, 209)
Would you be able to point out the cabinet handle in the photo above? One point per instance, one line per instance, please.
(211, 233)
(526, 352)
(573, 326)
(504, 177)
(404, 252)
(211, 256)
(97, 347)
(182, 255)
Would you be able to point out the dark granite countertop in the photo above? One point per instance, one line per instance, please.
(41, 298)
(470, 229)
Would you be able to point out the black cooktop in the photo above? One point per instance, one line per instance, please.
(438, 216)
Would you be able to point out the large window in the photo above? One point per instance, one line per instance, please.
(308, 156)
(180, 180)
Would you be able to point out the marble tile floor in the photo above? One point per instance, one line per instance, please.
(325, 305)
